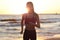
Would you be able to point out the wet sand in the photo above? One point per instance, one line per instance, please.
(53, 38)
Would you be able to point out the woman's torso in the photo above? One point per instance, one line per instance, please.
(29, 19)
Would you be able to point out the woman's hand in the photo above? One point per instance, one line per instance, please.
(21, 32)
(38, 26)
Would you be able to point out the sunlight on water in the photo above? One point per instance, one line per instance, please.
(11, 31)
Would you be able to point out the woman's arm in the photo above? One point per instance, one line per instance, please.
(37, 21)
(22, 24)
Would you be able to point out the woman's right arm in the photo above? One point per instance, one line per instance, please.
(22, 24)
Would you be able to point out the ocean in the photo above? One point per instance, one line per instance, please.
(50, 26)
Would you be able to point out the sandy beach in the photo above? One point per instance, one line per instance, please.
(45, 38)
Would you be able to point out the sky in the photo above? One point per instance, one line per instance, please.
(19, 6)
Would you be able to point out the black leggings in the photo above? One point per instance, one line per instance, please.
(29, 34)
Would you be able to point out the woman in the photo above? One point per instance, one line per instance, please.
(31, 20)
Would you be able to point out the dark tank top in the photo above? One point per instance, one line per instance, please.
(29, 19)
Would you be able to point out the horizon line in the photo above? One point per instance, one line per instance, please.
(37, 13)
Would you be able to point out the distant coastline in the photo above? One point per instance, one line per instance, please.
(49, 14)
(38, 14)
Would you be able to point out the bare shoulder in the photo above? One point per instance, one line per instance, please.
(36, 15)
(24, 15)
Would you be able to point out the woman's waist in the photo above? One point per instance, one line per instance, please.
(30, 28)
(30, 24)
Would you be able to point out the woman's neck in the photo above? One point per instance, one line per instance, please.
(31, 12)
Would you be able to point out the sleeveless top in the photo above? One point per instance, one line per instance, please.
(30, 18)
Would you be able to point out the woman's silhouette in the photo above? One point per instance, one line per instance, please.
(31, 20)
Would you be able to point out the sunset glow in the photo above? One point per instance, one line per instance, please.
(19, 6)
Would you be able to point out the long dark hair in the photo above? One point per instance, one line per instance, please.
(31, 5)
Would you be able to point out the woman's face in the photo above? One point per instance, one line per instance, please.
(29, 7)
